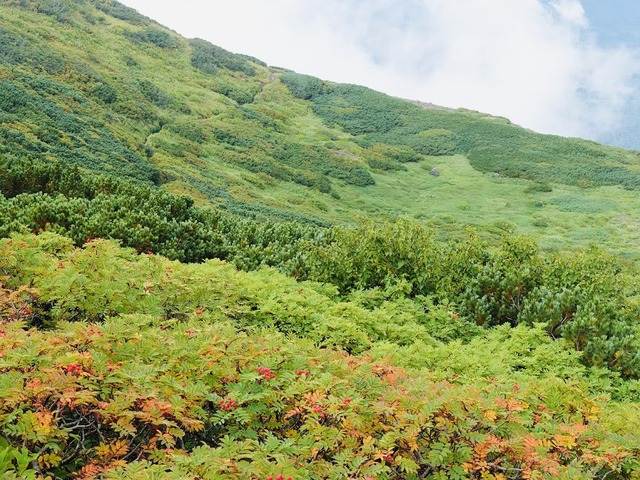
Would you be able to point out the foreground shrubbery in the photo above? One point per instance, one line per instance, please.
(166, 386)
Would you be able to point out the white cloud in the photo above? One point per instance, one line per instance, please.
(571, 11)
(534, 61)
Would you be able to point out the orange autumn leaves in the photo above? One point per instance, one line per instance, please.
(101, 403)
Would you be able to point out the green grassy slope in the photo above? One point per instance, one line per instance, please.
(97, 85)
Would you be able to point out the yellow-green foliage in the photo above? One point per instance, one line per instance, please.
(588, 301)
(183, 379)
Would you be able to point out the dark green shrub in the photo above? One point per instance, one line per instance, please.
(384, 164)
(360, 177)
(538, 188)
(17, 49)
(104, 93)
(154, 94)
(229, 138)
(57, 9)
(122, 12)
(155, 36)
(189, 130)
(303, 86)
(130, 61)
(434, 142)
(209, 58)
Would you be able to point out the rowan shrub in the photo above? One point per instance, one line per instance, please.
(136, 395)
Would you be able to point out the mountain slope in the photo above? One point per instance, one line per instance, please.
(97, 85)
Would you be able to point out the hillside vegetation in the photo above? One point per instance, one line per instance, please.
(96, 85)
(121, 365)
(215, 269)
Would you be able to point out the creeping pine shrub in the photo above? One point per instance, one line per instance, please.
(209, 58)
(156, 36)
(105, 93)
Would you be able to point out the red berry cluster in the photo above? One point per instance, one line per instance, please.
(228, 404)
(319, 409)
(278, 477)
(266, 373)
(74, 369)
(303, 372)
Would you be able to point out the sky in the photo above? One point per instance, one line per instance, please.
(567, 67)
